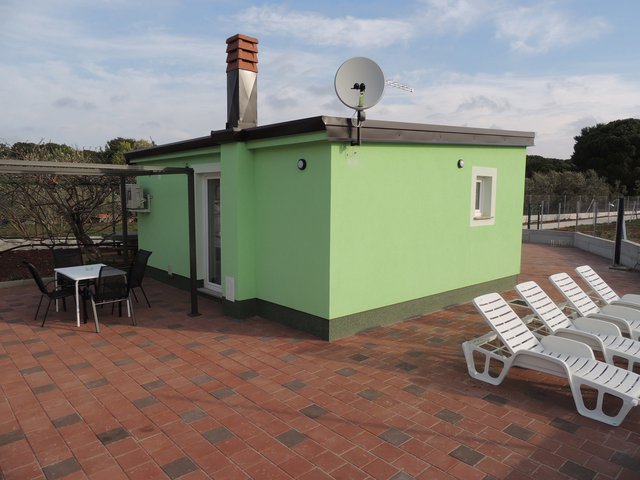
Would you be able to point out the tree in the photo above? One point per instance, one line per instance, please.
(53, 207)
(612, 150)
(539, 164)
(115, 149)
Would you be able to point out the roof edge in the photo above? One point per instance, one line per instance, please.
(341, 129)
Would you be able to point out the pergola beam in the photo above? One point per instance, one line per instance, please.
(21, 167)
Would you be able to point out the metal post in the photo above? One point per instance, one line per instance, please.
(559, 210)
(619, 232)
(529, 216)
(125, 226)
(193, 275)
(577, 213)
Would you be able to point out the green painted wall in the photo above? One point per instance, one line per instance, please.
(400, 222)
(292, 213)
(165, 230)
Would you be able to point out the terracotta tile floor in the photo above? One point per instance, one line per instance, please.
(210, 397)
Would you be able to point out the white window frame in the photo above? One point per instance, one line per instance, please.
(483, 196)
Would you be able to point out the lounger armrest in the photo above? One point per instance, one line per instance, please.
(567, 346)
(597, 326)
(586, 336)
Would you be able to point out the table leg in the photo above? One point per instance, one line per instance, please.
(55, 285)
(77, 302)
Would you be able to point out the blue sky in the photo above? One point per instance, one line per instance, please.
(83, 72)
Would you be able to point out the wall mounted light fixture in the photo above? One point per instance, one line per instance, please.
(302, 164)
(460, 163)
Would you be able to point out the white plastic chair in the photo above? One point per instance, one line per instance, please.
(627, 319)
(600, 335)
(557, 356)
(604, 292)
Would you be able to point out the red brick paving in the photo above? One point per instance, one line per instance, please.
(211, 397)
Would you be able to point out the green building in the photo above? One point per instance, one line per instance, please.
(297, 224)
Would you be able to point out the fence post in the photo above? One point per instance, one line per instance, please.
(577, 213)
(529, 216)
(559, 209)
(619, 232)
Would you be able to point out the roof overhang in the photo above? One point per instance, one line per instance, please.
(339, 129)
(81, 169)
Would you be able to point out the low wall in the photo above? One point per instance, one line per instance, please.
(629, 252)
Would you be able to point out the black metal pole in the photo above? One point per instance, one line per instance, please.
(125, 227)
(193, 275)
(619, 230)
(529, 216)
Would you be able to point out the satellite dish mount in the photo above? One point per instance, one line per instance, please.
(359, 84)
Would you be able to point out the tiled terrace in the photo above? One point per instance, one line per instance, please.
(210, 397)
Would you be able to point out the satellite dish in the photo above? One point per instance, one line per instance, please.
(359, 83)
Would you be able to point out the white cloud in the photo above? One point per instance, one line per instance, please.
(319, 30)
(541, 29)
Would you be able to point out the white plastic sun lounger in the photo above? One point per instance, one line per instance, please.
(600, 335)
(557, 356)
(604, 292)
(627, 319)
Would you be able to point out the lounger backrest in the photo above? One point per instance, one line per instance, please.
(597, 284)
(577, 297)
(505, 322)
(544, 308)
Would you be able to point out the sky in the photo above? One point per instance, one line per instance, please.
(83, 72)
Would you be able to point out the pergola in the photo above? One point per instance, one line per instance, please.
(20, 167)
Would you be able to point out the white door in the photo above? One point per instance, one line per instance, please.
(213, 277)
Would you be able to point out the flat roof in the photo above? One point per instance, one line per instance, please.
(340, 129)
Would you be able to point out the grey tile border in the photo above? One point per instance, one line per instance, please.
(466, 455)
(395, 437)
(228, 352)
(121, 362)
(100, 382)
(61, 469)
(248, 375)
(79, 366)
(179, 467)
(495, 399)
(10, 437)
(217, 435)
(31, 370)
(414, 389)
(346, 372)
(193, 345)
(113, 435)
(44, 388)
(202, 379)
(168, 357)
(153, 385)
(66, 420)
(358, 357)
(626, 461)
(129, 333)
(370, 394)
(175, 326)
(449, 416)
(193, 415)
(405, 366)
(518, 432)
(222, 393)
(145, 402)
(314, 411)
(564, 425)
(577, 472)
(294, 385)
(43, 353)
(291, 438)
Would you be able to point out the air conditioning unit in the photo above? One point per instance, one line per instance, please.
(135, 197)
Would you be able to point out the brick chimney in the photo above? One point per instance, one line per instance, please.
(242, 82)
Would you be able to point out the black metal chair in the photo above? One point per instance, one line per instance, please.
(59, 292)
(67, 257)
(111, 287)
(135, 275)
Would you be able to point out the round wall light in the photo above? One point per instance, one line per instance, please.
(302, 164)
(460, 163)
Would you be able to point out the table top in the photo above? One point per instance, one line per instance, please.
(84, 272)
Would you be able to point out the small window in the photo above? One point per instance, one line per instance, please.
(483, 196)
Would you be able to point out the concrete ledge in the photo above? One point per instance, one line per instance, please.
(629, 253)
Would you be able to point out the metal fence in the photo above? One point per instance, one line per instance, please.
(557, 211)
